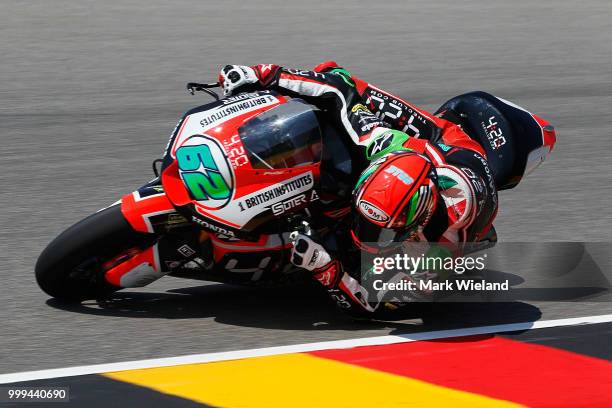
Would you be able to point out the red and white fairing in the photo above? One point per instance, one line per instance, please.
(251, 187)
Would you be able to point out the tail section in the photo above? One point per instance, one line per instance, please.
(515, 140)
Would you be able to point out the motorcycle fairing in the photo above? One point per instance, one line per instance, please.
(251, 261)
(231, 196)
(138, 270)
(149, 210)
(209, 117)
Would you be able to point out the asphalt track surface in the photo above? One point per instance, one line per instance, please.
(89, 92)
(534, 365)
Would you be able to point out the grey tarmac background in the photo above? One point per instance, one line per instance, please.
(90, 90)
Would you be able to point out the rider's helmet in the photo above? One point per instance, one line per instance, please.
(394, 199)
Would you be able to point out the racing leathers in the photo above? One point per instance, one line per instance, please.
(467, 202)
(361, 107)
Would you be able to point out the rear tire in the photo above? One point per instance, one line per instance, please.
(70, 267)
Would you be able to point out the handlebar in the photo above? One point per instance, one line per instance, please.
(192, 87)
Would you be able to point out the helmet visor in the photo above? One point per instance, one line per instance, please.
(366, 231)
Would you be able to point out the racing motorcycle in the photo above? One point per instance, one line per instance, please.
(237, 176)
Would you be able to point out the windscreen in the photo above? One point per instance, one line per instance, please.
(283, 137)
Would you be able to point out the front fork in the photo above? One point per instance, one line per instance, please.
(148, 210)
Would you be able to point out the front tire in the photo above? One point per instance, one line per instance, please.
(70, 267)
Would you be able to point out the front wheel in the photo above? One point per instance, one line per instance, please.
(71, 267)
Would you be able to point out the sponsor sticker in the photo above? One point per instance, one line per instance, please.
(372, 212)
(369, 126)
(443, 147)
(284, 206)
(359, 107)
(235, 151)
(380, 143)
(345, 75)
(277, 192)
(212, 227)
(494, 133)
(186, 251)
(225, 112)
(400, 174)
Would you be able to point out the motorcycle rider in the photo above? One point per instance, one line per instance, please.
(427, 180)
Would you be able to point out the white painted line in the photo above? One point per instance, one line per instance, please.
(297, 348)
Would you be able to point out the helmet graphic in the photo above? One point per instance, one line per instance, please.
(394, 198)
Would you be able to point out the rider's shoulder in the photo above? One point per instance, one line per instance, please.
(457, 189)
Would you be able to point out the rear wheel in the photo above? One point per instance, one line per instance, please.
(72, 268)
